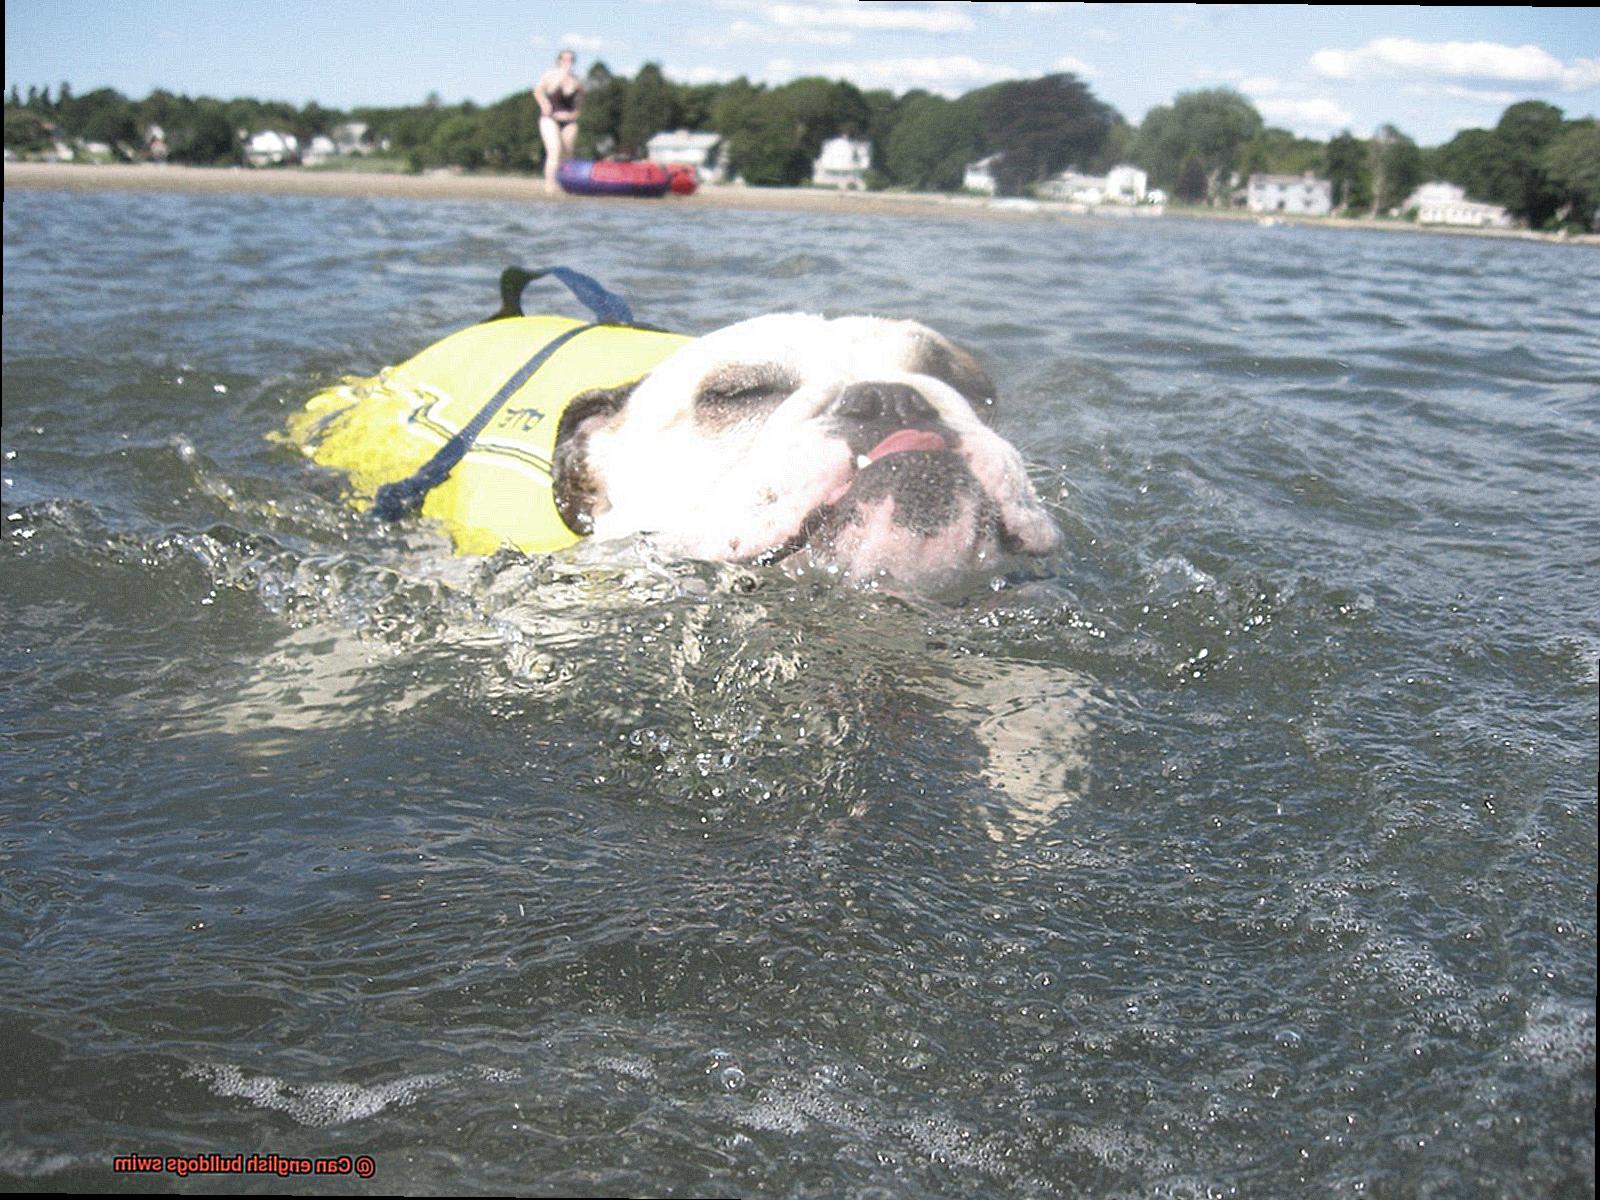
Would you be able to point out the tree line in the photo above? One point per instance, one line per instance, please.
(1542, 167)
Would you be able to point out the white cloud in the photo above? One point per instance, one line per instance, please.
(1250, 85)
(898, 17)
(1317, 114)
(889, 18)
(1451, 91)
(1391, 57)
(1258, 85)
(699, 75)
(571, 41)
(582, 41)
(949, 75)
(1076, 65)
(746, 33)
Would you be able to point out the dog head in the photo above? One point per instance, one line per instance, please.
(858, 444)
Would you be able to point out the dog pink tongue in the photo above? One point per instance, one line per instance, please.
(903, 440)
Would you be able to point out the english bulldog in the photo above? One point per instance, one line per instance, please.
(861, 446)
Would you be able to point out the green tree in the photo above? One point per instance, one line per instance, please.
(205, 139)
(458, 142)
(114, 127)
(509, 134)
(1193, 184)
(1279, 152)
(1524, 131)
(693, 105)
(1345, 165)
(103, 115)
(1040, 127)
(823, 109)
(882, 112)
(931, 143)
(1118, 148)
(1396, 168)
(765, 144)
(600, 122)
(646, 110)
(25, 131)
(1213, 126)
(1571, 164)
(314, 119)
(163, 108)
(1473, 160)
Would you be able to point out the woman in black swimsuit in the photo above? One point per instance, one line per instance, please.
(560, 96)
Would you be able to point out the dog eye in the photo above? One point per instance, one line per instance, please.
(731, 389)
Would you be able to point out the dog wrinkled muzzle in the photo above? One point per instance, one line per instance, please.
(913, 512)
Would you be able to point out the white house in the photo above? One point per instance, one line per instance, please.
(269, 148)
(979, 176)
(1074, 186)
(1122, 184)
(680, 147)
(1303, 194)
(1447, 204)
(1127, 184)
(843, 163)
(351, 137)
(320, 150)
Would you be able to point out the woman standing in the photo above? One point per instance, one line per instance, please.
(560, 96)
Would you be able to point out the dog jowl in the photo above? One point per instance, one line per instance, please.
(857, 444)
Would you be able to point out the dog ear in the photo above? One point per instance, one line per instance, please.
(578, 494)
(945, 361)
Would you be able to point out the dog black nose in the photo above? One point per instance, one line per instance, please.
(891, 404)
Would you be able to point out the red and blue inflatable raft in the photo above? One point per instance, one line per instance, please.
(581, 177)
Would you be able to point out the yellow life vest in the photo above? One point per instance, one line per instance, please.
(383, 429)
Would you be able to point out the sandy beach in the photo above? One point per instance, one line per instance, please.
(449, 185)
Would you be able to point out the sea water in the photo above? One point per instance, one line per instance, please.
(1247, 847)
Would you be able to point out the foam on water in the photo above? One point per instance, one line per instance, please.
(314, 1104)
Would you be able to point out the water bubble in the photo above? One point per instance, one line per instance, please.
(731, 1079)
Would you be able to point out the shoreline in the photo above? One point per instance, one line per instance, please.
(447, 185)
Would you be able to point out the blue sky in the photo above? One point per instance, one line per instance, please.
(1315, 70)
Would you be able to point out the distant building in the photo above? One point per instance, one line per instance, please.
(1302, 194)
(351, 137)
(680, 147)
(843, 164)
(320, 149)
(1127, 184)
(1074, 186)
(1447, 204)
(1124, 184)
(979, 176)
(270, 148)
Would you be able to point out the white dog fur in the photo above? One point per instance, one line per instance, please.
(857, 444)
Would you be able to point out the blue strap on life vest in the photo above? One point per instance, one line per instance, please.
(394, 501)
